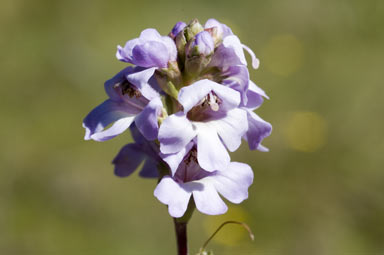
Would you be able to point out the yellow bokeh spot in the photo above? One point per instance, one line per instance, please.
(230, 234)
(306, 131)
(283, 55)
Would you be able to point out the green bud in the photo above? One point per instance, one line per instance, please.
(181, 42)
(165, 84)
(194, 65)
(193, 28)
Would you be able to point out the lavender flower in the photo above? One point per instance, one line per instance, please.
(190, 179)
(231, 46)
(132, 155)
(209, 114)
(149, 50)
(133, 96)
(187, 100)
(258, 129)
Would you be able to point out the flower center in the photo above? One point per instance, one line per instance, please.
(129, 89)
(206, 108)
(189, 169)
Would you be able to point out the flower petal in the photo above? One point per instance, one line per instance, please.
(255, 96)
(207, 200)
(147, 122)
(233, 182)
(175, 133)
(149, 169)
(170, 193)
(112, 91)
(258, 129)
(150, 54)
(150, 34)
(234, 43)
(238, 79)
(171, 46)
(211, 153)
(128, 160)
(231, 128)
(191, 95)
(230, 98)
(125, 54)
(140, 78)
(103, 115)
(174, 159)
(256, 89)
(222, 29)
(224, 57)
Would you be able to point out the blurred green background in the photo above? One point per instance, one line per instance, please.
(320, 189)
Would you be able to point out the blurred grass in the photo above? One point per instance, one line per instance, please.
(318, 58)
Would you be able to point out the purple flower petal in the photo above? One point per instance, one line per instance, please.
(255, 96)
(171, 46)
(211, 153)
(128, 160)
(191, 95)
(150, 54)
(103, 115)
(237, 79)
(140, 78)
(233, 182)
(254, 88)
(208, 200)
(149, 169)
(224, 57)
(170, 193)
(234, 43)
(150, 34)
(149, 50)
(147, 122)
(258, 129)
(222, 29)
(175, 133)
(174, 159)
(231, 128)
(112, 91)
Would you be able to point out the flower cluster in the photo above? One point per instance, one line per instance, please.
(187, 100)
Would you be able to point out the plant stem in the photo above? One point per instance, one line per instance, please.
(181, 237)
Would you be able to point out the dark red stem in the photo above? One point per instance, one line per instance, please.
(181, 237)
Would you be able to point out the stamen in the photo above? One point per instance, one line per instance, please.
(213, 101)
(192, 156)
(255, 61)
(129, 89)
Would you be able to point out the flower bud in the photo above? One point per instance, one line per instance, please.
(202, 45)
(177, 29)
(169, 79)
(198, 54)
(180, 45)
(165, 84)
(193, 28)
